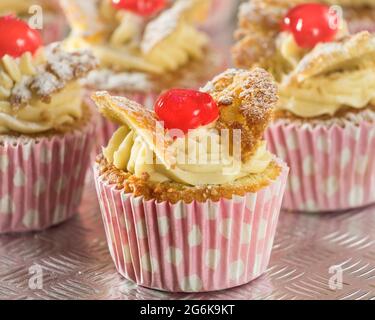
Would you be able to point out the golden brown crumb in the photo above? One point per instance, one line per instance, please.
(246, 100)
(174, 192)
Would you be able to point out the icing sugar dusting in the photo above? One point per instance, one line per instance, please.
(109, 80)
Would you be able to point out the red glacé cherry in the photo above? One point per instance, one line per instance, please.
(311, 24)
(140, 7)
(186, 109)
(17, 37)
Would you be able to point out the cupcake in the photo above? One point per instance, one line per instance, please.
(46, 133)
(189, 194)
(143, 50)
(53, 23)
(324, 122)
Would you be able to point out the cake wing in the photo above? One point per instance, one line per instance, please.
(342, 54)
(126, 112)
(246, 100)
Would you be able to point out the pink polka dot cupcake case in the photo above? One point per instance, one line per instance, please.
(194, 247)
(46, 131)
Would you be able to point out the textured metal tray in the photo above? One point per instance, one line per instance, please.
(76, 263)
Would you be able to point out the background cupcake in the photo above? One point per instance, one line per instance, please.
(54, 25)
(141, 52)
(46, 131)
(187, 226)
(324, 126)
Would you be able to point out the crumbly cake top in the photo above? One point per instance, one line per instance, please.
(246, 101)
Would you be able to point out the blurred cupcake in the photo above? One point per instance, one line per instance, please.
(324, 125)
(143, 52)
(192, 207)
(46, 133)
(54, 26)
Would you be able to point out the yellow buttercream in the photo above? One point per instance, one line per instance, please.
(201, 160)
(37, 116)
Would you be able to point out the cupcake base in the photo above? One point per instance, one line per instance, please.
(195, 247)
(331, 165)
(42, 178)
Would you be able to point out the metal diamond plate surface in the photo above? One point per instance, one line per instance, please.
(76, 263)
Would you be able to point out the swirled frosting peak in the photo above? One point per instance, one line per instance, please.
(126, 42)
(41, 92)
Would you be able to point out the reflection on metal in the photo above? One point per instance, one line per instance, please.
(328, 256)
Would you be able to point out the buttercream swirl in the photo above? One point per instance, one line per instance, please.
(201, 158)
(350, 83)
(35, 115)
(126, 42)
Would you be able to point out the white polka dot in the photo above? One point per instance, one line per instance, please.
(60, 184)
(149, 264)
(45, 155)
(178, 212)
(308, 166)
(356, 196)
(173, 256)
(191, 284)
(127, 254)
(213, 209)
(31, 219)
(62, 155)
(291, 142)
(294, 184)
(39, 186)
(331, 186)
(246, 233)
(19, 179)
(137, 202)
(6, 205)
(250, 202)
(59, 214)
(26, 151)
(281, 152)
(195, 236)
(258, 264)
(163, 224)
(4, 163)
(322, 144)
(310, 206)
(262, 232)
(212, 258)
(346, 155)
(226, 228)
(141, 229)
(362, 164)
(236, 270)
(237, 199)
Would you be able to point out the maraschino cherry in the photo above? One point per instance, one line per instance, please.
(140, 7)
(17, 37)
(311, 24)
(186, 109)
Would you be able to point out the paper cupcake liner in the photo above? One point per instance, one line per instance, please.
(331, 167)
(194, 247)
(42, 179)
(104, 127)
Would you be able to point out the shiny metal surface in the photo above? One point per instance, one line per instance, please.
(76, 263)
